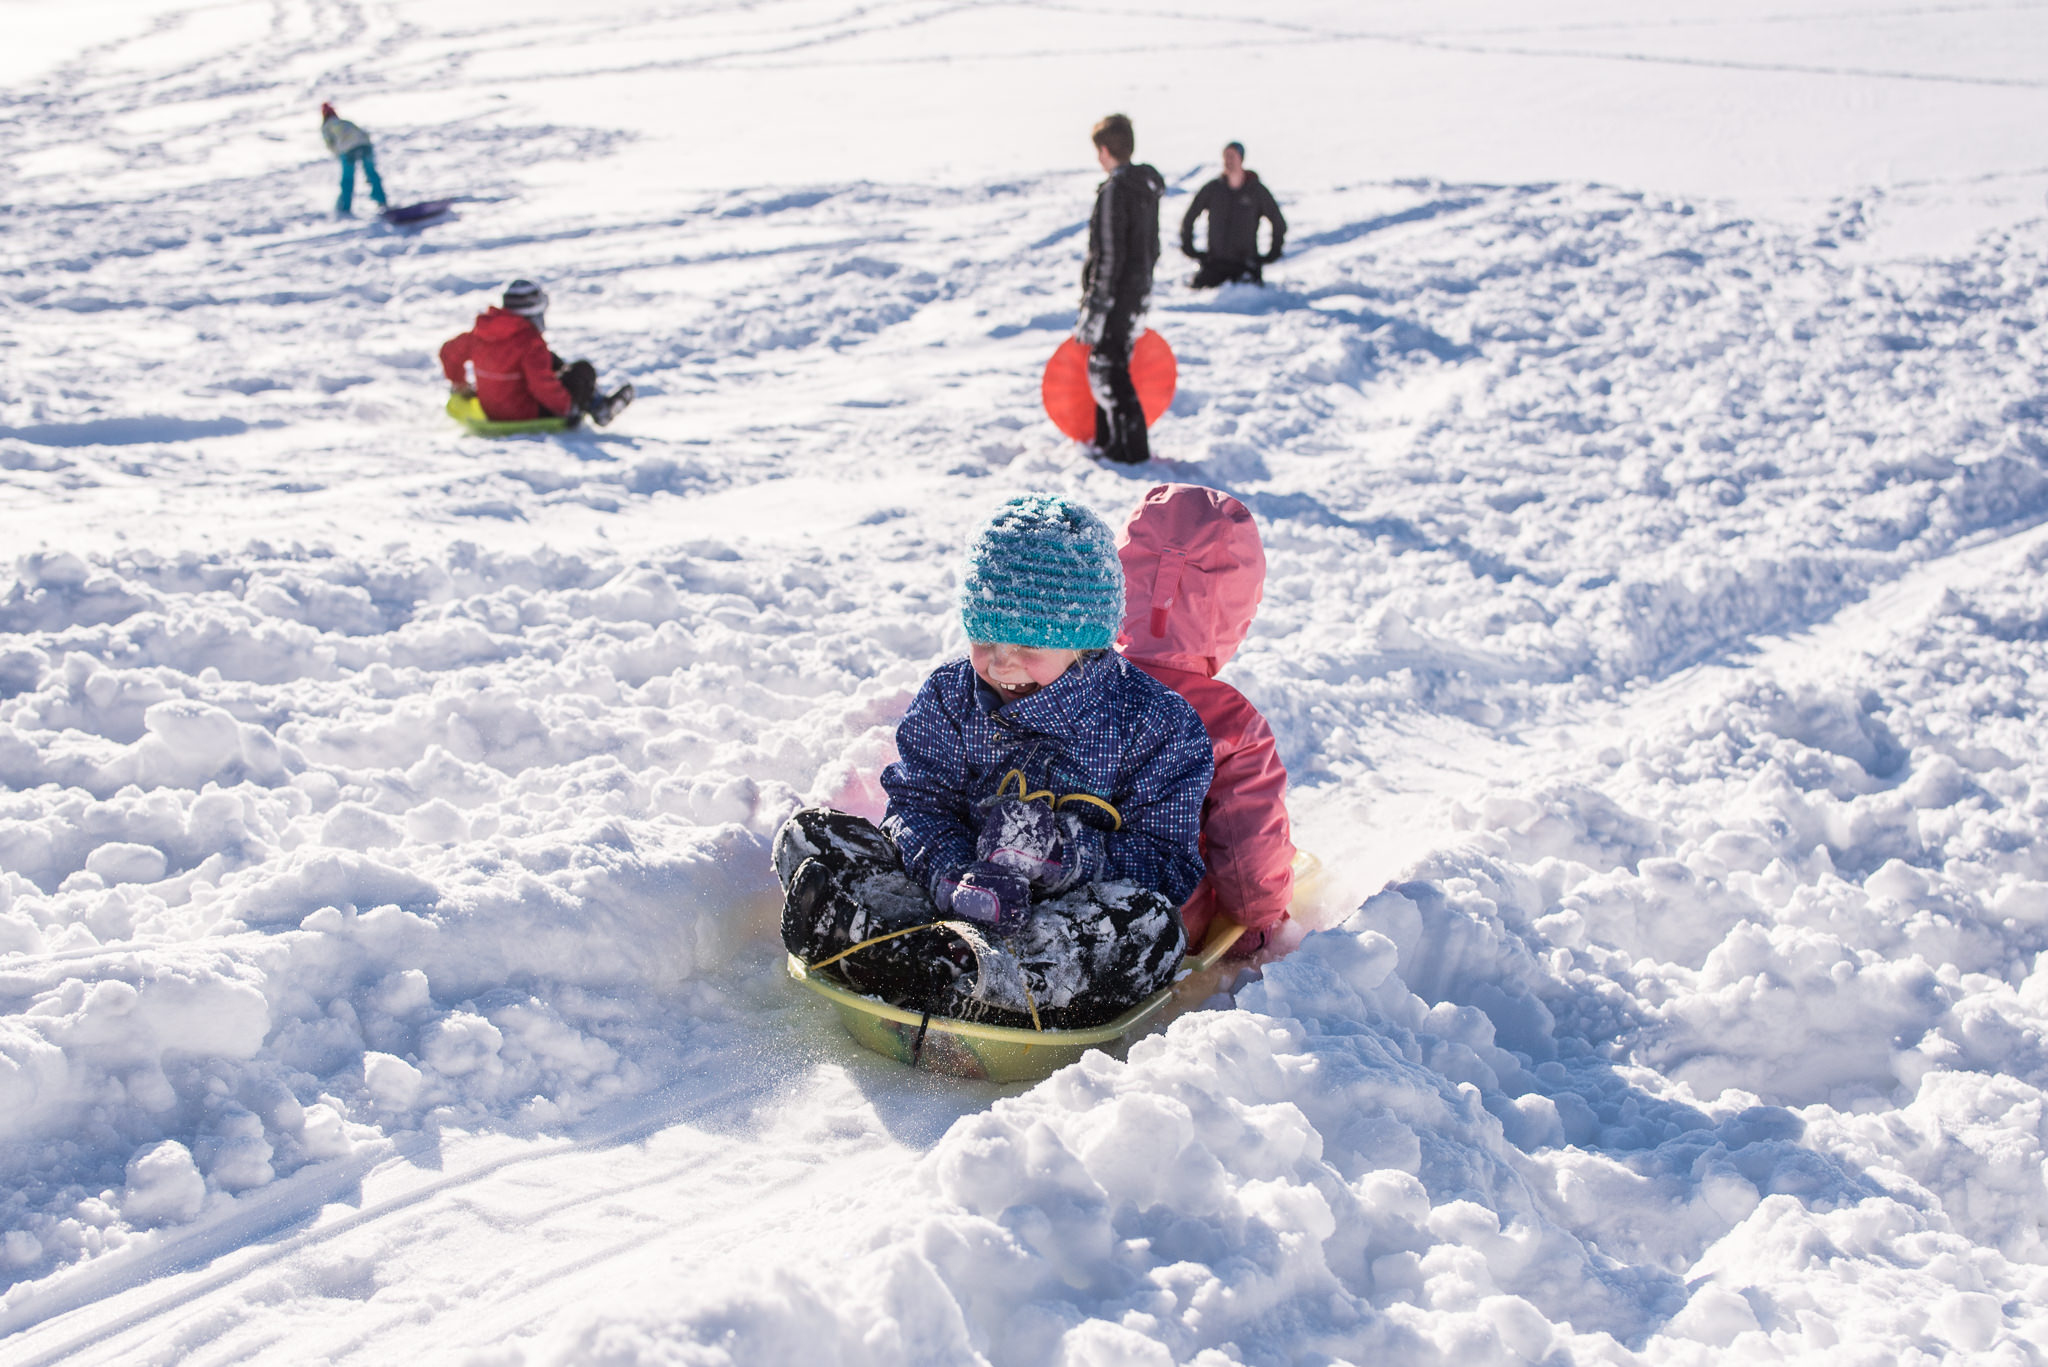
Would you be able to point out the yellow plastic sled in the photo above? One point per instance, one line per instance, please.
(467, 411)
(1001, 1053)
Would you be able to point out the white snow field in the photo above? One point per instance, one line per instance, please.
(1649, 429)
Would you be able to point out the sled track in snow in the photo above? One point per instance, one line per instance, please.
(209, 1267)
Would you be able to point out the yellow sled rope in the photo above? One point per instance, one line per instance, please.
(1029, 1000)
(1025, 794)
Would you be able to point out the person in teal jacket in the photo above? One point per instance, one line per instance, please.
(352, 145)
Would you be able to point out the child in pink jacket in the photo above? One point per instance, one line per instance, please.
(1194, 572)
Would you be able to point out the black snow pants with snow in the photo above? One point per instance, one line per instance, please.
(843, 882)
(1119, 418)
(1084, 958)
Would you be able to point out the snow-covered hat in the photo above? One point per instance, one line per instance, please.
(1043, 571)
(524, 297)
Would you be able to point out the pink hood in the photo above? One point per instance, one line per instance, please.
(1194, 572)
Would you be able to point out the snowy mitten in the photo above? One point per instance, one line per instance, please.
(988, 895)
(1081, 856)
(1023, 837)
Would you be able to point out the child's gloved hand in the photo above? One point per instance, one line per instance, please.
(1023, 837)
(989, 895)
(1080, 858)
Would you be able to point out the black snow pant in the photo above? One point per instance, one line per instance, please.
(580, 379)
(1084, 958)
(1119, 417)
(842, 883)
(1217, 270)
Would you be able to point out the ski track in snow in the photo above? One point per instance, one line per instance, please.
(1654, 635)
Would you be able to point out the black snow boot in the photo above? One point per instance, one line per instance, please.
(842, 881)
(611, 405)
(843, 842)
(844, 884)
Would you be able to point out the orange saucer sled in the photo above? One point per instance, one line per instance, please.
(1071, 406)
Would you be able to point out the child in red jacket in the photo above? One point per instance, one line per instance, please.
(516, 377)
(1194, 572)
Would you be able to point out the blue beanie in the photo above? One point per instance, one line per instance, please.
(1043, 571)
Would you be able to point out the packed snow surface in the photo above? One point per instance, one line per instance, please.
(1646, 426)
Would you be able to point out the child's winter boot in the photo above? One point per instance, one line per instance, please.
(610, 406)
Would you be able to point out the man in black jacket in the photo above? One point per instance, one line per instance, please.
(1116, 285)
(1235, 202)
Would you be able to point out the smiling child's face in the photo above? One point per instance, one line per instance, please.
(1018, 671)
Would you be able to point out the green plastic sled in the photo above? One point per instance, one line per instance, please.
(467, 411)
(1001, 1053)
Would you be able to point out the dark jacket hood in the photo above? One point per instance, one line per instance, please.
(1147, 175)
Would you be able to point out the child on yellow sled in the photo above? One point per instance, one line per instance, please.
(1044, 814)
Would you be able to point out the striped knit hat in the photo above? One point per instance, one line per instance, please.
(524, 297)
(1043, 571)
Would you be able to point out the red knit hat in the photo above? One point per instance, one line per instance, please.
(326, 111)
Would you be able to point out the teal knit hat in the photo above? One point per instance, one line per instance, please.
(1043, 571)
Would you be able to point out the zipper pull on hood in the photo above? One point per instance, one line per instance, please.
(1166, 588)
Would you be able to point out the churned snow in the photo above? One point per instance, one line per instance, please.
(1646, 428)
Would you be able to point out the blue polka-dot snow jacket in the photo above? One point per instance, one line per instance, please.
(1104, 727)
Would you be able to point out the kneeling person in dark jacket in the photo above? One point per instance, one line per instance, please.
(517, 379)
(1235, 202)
